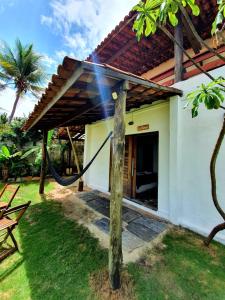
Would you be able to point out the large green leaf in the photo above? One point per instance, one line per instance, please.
(5, 151)
(211, 95)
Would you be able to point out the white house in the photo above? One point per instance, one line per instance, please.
(167, 153)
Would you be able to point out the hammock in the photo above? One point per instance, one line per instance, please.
(74, 178)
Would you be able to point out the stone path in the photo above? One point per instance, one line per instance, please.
(137, 228)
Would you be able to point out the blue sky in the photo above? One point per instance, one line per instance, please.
(57, 28)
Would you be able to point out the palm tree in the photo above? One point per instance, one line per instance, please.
(21, 67)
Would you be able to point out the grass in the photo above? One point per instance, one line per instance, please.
(183, 269)
(58, 257)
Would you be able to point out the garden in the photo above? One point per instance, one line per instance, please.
(21, 152)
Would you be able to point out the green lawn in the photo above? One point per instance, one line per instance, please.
(58, 256)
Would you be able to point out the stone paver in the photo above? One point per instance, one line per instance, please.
(130, 241)
(103, 224)
(139, 229)
(130, 215)
(153, 224)
(143, 232)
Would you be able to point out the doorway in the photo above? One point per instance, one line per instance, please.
(146, 189)
(140, 178)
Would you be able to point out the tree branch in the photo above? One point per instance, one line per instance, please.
(170, 36)
(197, 36)
(213, 170)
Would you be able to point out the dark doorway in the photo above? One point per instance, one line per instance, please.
(147, 169)
(140, 178)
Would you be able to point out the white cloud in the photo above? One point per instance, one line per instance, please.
(4, 4)
(46, 20)
(48, 61)
(83, 24)
(25, 104)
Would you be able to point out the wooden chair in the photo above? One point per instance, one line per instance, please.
(9, 219)
(7, 194)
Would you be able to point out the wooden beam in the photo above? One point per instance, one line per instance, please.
(178, 53)
(68, 83)
(43, 162)
(80, 184)
(130, 43)
(196, 46)
(115, 246)
(121, 75)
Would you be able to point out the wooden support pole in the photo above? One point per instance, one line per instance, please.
(80, 184)
(178, 53)
(118, 146)
(44, 163)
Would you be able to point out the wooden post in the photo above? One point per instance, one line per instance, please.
(44, 163)
(178, 53)
(80, 184)
(118, 146)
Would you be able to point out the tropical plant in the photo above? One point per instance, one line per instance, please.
(4, 126)
(154, 14)
(22, 68)
(6, 158)
(12, 134)
(36, 151)
(211, 95)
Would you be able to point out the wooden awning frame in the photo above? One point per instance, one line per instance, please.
(84, 82)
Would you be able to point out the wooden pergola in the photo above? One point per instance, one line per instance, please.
(81, 93)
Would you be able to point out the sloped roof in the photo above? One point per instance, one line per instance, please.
(81, 93)
(121, 49)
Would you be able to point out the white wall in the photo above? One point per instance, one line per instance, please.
(157, 116)
(185, 148)
(192, 203)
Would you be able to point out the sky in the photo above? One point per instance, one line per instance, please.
(56, 28)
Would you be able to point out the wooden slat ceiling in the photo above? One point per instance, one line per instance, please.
(76, 132)
(81, 93)
(121, 49)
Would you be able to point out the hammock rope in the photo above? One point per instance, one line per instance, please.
(68, 181)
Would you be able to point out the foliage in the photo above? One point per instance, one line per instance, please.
(219, 17)
(11, 160)
(16, 140)
(13, 134)
(6, 155)
(4, 126)
(36, 151)
(22, 68)
(151, 13)
(211, 95)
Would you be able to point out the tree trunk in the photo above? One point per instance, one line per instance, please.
(215, 230)
(115, 247)
(178, 52)
(14, 106)
(214, 184)
(44, 162)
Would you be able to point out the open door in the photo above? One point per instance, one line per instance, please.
(129, 167)
(140, 177)
(146, 186)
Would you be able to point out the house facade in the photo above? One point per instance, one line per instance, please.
(167, 153)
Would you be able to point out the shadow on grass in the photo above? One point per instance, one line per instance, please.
(59, 255)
